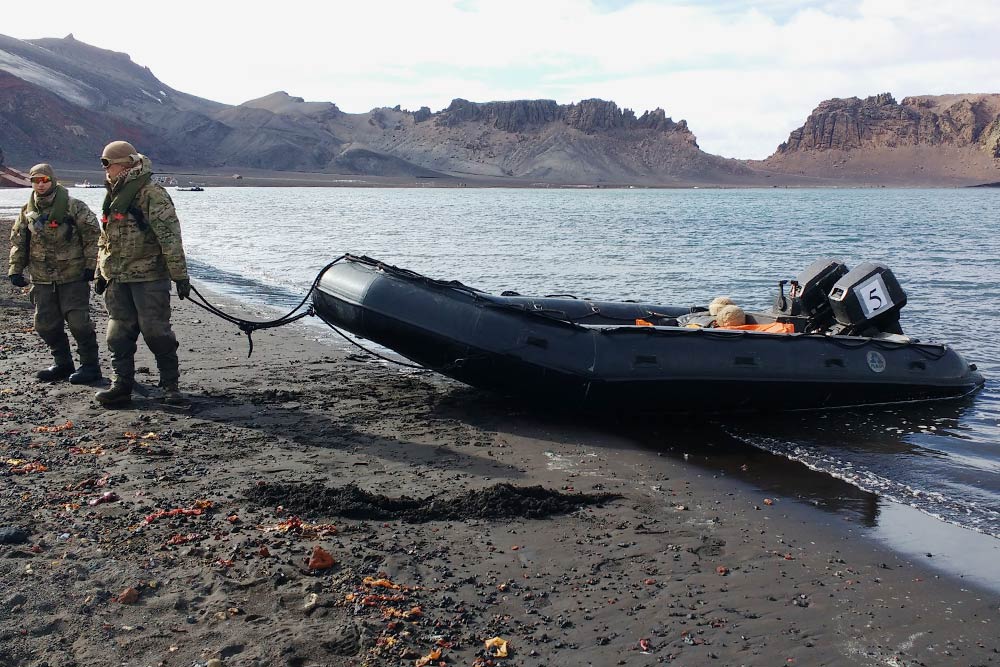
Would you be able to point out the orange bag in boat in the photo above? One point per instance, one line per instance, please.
(773, 327)
(643, 323)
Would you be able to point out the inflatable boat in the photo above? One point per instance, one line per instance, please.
(840, 343)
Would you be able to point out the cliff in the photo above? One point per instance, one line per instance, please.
(946, 139)
(587, 116)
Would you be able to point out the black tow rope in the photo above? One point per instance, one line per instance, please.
(249, 326)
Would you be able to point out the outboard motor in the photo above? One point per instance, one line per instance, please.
(867, 300)
(807, 297)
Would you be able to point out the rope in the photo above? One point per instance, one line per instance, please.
(249, 326)
(372, 352)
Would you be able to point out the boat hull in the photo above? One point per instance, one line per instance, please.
(521, 346)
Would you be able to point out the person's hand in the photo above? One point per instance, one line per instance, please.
(18, 280)
(183, 288)
(100, 285)
(88, 275)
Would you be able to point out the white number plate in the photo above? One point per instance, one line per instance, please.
(874, 297)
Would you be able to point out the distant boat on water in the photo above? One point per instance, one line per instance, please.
(88, 184)
(190, 188)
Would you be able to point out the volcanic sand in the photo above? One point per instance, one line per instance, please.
(159, 535)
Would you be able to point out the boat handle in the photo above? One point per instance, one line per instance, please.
(537, 342)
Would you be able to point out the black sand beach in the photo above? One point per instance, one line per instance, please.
(266, 524)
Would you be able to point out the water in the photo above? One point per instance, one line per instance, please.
(671, 247)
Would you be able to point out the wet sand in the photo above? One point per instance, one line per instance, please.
(158, 535)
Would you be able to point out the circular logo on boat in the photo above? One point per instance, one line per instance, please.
(876, 361)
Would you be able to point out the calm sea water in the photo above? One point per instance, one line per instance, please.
(673, 247)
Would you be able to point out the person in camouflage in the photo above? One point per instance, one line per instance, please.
(139, 252)
(55, 239)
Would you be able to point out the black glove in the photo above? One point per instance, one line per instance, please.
(183, 288)
(18, 280)
(88, 275)
(100, 285)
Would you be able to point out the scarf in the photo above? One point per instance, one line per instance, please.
(58, 199)
(119, 197)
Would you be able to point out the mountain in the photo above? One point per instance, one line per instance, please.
(939, 140)
(61, 100)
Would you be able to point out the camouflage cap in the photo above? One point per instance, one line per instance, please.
(731, 316)
(42, 169)
(119, 152)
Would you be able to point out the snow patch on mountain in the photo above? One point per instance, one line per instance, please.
(54, 82)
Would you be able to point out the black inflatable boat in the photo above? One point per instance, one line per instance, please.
(845, 347)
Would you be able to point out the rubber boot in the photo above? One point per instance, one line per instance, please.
(55, 373)
(62, 359)
(172, 395)
(87, 374)
(119, 393)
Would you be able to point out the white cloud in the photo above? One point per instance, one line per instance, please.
(742, 73)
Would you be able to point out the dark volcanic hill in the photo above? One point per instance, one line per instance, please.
(61, 100)
(939, 140)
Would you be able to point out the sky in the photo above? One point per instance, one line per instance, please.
(743, 74)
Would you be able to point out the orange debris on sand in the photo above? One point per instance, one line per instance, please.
(429, 658)
(34, 466)
(498, 645)
(383, 583)
(140, 436)
(297, 525)
(128, 596)
(53, 429)
(174, 512)
(321, 559)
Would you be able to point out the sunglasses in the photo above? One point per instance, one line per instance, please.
(40, 179)
(105, 162)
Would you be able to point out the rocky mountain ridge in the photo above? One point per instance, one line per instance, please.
(61, 100)
(942, 137)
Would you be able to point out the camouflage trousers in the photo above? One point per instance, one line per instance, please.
(135, 308)
(69, 303)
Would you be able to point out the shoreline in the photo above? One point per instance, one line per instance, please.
(186, 176)
(688, 566)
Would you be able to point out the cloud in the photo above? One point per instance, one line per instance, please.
(744, 74)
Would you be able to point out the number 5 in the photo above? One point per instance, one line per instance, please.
(873, 297)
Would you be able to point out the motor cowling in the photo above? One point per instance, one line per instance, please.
(867, 300)
(807, 296)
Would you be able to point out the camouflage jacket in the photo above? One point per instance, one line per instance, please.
(53, 251)
(145, 243)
